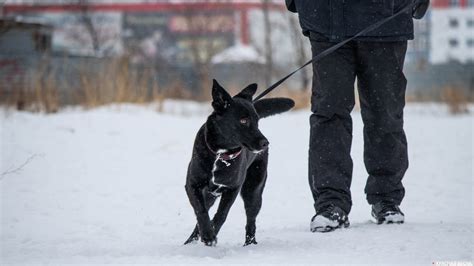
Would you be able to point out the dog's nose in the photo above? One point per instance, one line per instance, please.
(264, 143)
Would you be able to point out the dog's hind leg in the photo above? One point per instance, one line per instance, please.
(194, 236)
(209, 201)
(251, 193)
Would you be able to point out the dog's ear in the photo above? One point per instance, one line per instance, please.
(272, 106)
(221, 100)
(248, 92)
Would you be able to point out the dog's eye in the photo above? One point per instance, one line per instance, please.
(244, 121)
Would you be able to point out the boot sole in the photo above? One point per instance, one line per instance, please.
(328, 229)
(387, 222)
(383, 220)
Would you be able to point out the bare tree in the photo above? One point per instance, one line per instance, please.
(202, 48)
(2, 3)
(302, 56)
(4, 27)
(267, 42)
(87, 20)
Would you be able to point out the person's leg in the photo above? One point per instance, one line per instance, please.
(332, 100)
(381, 85)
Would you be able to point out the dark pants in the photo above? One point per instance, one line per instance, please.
(378, 67)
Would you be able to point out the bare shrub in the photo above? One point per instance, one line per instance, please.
(45, 94)
(456, 100)
(37, 93)
(302, 98)
(176, 90)
(117, 82)
(94, 83)
(114, 82)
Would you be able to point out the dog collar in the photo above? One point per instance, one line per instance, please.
(229, 155)
(225, 155)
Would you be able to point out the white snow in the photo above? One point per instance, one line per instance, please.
(238, 53)
(107, 186)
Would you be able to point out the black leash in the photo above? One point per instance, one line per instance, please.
(335, 47)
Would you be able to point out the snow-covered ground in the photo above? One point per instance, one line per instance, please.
(107, 186)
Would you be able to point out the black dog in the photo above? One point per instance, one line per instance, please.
(230, 155)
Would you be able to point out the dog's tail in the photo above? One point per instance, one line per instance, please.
(273, 106)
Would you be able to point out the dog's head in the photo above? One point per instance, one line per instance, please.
(236, 118)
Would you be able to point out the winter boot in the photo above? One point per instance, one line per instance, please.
(386, 212)
(329, 219)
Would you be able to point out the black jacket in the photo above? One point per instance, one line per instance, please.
(335, 20)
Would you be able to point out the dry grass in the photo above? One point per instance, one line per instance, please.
(456, 100)
(40, 95)
(117, 82)
(302, 98)
(45, 95)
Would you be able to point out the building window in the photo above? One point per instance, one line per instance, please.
(453, 42)
(470, 22)
(454, 2)
(453, 23)
(470, 43)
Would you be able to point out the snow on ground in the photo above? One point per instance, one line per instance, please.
(107, 186)
(238, 54)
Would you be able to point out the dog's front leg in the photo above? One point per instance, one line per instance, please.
(206, 230)
(209, 200)
(228, 198)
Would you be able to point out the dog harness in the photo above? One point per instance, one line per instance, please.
(223, 156)
(227, 156)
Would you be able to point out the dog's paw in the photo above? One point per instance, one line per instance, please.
(209, 239)
(210, 243)
(250, 240)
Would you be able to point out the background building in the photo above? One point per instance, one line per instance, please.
(452, 31)
(260, 40)
(166, 29)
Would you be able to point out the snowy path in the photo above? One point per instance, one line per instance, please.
(107, 186)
